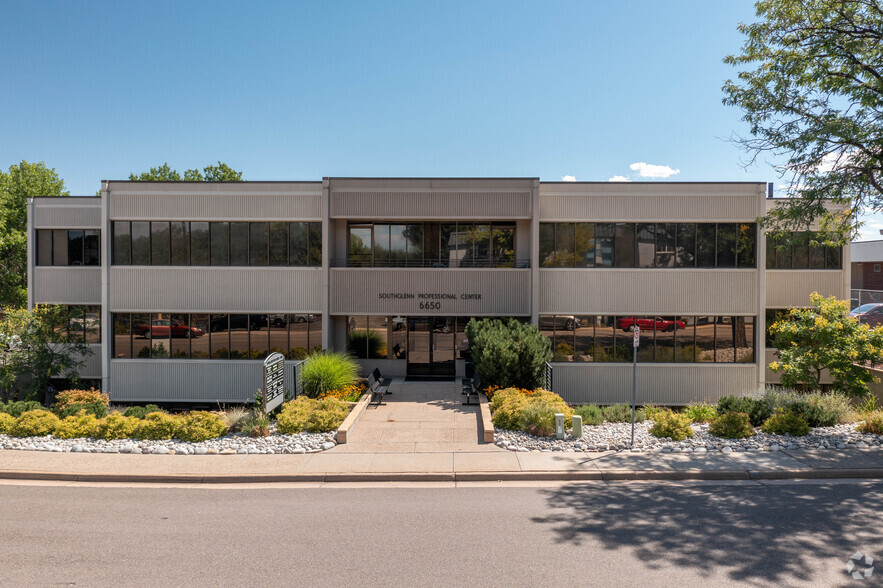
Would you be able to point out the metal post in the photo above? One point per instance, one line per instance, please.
(634, 388)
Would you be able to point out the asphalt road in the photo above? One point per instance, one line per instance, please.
(586, 534)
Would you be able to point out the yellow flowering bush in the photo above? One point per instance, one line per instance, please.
(77, 426)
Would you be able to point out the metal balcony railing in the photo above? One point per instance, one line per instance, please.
(431, 263)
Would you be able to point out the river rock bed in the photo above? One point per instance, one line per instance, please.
(617, 437)
(236, 443)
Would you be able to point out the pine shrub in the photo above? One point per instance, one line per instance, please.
(326, 371)
(96, 409)
(80, 425)
(508, 353)
(786, 422)
(19, 407)
(732, 425)
(139, 412)
(34, 423)
(200, 426)
(672, 425)
(157, 426)
(6, 422)
(116, 426)
(757, 409)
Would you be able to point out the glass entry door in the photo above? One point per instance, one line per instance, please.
(431, 346)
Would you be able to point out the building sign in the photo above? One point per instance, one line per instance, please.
(274, 381)
(428, 300)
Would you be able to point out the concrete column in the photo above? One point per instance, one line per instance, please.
(31, 237)
(760, 319)
(106, 323)
(535, 253)
(326, 262)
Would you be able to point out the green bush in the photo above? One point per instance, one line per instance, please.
(590, 413)
(818, 409)
(873, 424)
(77, 426)
(139, 412)
(786, 422)
(538, 419)
(96, 409)
(756, 409)
(201, 425)
(6, 422)
(366, 344)
(673, 425)
(157, 425)
(506, 408)
(34, 423)
(322, 372)
(700, 412)
(650, 411)
(16, 409)
(508, 353)
(116, 426)
(622, 413)
(732, 425)
(312, 415)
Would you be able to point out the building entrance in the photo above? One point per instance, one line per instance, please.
(431, 346)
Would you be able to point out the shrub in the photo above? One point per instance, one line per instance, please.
(69, 397)
(732, 425)
(233, 418)
(786, 422)
(700, 412)
(873, 424)
(16, 409)
(157, 425)
(367, 344)
(537, 418)
(139, 412)
(201, 425)
(673, 425)
(350, 393)
(256, 423)
(80, 425)
(506, 408)
(326, 371)
(756, 409)
(96, 409)
(116, 426)
(312, 415)
(651, 411)
(622, 413)
(817, 409)
(508, 353)
(591, 414)
(6, 422)
(34, 423)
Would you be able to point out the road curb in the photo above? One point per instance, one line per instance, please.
(513, 476)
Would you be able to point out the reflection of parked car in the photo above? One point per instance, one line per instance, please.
(165, 328)
(254, 322)
(627, 323)
(398, 322)
(568, 323)
(280, 320)
(871, 314)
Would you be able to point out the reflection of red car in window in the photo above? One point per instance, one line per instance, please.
(627, 323)
(164, 328)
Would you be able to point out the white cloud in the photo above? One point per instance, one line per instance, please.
(870, 230)
(568, 179)
(619, 179)
(648, 170)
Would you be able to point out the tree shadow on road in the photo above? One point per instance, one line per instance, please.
(761, 535)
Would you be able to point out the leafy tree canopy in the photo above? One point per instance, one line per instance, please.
(811, 88)
(210, 173)
(22, 181)
(824, 336)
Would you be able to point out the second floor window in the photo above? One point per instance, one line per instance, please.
(799, 252)
(68, 247)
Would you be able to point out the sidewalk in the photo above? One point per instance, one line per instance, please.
(439, 466)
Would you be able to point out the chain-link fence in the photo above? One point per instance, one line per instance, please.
(863, 304)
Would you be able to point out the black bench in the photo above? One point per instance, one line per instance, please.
(378, 386)
(470, 389)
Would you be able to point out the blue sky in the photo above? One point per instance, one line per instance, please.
(302, 90)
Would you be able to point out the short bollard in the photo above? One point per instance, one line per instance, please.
(559, 425)
(577, 426)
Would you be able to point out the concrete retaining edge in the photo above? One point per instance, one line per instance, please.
(352, 418)
(487, 426)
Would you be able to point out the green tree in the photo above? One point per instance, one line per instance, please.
(811, 88)
(508, 353)
(38, 346)
(22, 181)
(824, 336)
(210, 173)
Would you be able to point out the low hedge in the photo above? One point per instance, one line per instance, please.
(312, 415)
(517, 409)
(34, 423)
(673, 425)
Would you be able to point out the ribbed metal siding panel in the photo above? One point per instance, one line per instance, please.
(785, 288)
(67, 285)
(611, 291)
(357, 291)
(67, 213)
(92, 368)
(244, 205)
(672, 385)
(428, 205)
(216, 289)
(136, 380)
(636, 207)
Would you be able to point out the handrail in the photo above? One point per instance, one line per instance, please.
(432, 263)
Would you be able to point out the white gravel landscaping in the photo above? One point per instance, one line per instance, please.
(617, 437)
(227, 445)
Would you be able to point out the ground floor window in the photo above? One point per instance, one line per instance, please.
(163, 335)
(664, 339)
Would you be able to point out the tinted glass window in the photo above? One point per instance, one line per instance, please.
(747, 245)
(666, 234)
(44, 247)
(159, 243)
(219, 326)
(315, 244)
(140, 243)
(604, 235)
(299, 244)
(360, 245)
(278, 243)
(122, 243)
(92, 247)
(584, 242)
(75, 247)
(706, 243)
(180, 243)
(624, 247)
(199, 341)
(564, 245)
(547, 244)
(414, 236)
(238, 243)
(686, 245)
(646, 245)
(220, 243)
(199, 243)
(258, 243)
(503, 245)
(726, 245)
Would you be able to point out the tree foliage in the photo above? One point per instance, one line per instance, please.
(38, 346)
(508, 354)
(22, 181)
(811, 88)
(210, 173)
(824, 336)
